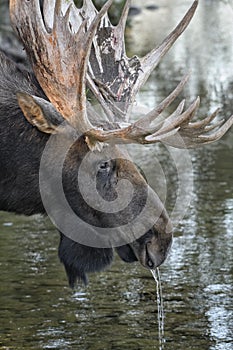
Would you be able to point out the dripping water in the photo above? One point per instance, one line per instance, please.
(156, 275)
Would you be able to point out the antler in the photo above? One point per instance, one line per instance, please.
(69, 47)
(191, 135)
(59, 54)
(114, 78)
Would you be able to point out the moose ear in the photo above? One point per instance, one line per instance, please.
(40, 113)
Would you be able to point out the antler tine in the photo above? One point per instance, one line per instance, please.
(152, 130)
(60, 20)
(145, 121)
(217, 134)
(124, 15)
(57, 13)
(208, 128)
(204, 122)
(120, 28)
(173, 122)
(151, 60)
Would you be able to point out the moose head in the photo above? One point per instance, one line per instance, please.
(75, 51)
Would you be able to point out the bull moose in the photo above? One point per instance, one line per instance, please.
(55, 144)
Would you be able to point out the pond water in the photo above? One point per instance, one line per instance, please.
(118, 309)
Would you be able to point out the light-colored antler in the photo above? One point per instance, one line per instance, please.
(117, 92)
(191, 134)
(69, 47)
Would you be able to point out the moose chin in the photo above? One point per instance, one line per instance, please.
(71, 50)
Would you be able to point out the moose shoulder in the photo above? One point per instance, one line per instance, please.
(54, 145)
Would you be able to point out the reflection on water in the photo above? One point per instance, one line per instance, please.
(205, 49)
(118, 308)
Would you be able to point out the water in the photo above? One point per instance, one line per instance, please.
(118, 310)
(161, 316)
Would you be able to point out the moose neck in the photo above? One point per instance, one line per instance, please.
(21, 149)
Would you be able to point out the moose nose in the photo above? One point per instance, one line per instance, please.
(150, 264)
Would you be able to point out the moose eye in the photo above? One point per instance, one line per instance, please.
(103, 166)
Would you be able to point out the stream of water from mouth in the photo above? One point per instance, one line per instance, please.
(157, 278)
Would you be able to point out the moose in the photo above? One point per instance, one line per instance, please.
(55, 144)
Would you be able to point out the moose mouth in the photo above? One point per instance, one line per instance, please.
(150, 250)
